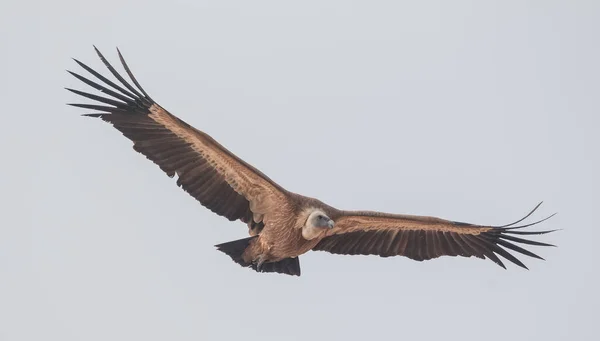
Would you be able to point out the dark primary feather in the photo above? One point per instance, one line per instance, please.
(127, 109)
(428, 244)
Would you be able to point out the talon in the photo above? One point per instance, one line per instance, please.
(260, 262)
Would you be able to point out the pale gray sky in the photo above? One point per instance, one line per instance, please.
(466, 110)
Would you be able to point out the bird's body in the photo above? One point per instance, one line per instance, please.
(282, 225)
(283, 236)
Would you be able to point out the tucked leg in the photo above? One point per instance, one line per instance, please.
(259, 262)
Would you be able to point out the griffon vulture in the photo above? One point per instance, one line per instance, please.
(282, 225)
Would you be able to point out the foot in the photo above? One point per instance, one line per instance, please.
(259, 262)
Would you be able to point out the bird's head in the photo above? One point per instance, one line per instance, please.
(316, 224)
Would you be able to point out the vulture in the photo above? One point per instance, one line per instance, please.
(282, 225)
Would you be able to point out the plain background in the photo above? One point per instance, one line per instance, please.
(466, 110)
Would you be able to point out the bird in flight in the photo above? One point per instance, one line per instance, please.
(282, 225)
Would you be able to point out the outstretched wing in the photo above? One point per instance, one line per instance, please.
(206, 170)
(423, 238)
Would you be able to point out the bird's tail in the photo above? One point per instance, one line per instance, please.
(235, 249)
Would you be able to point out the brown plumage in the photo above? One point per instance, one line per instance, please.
(282, 225)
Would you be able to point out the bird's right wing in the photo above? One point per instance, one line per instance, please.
(421, 238)
(206, 170)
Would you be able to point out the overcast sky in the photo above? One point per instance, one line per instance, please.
(466, 110)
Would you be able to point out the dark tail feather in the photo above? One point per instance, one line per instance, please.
(288, 266)
(235, 249)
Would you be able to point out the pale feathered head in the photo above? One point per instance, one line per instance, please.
(316, 224)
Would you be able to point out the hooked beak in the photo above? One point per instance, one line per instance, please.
(330, 223)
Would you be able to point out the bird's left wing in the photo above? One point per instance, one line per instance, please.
(209, 172)
(423, 238)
